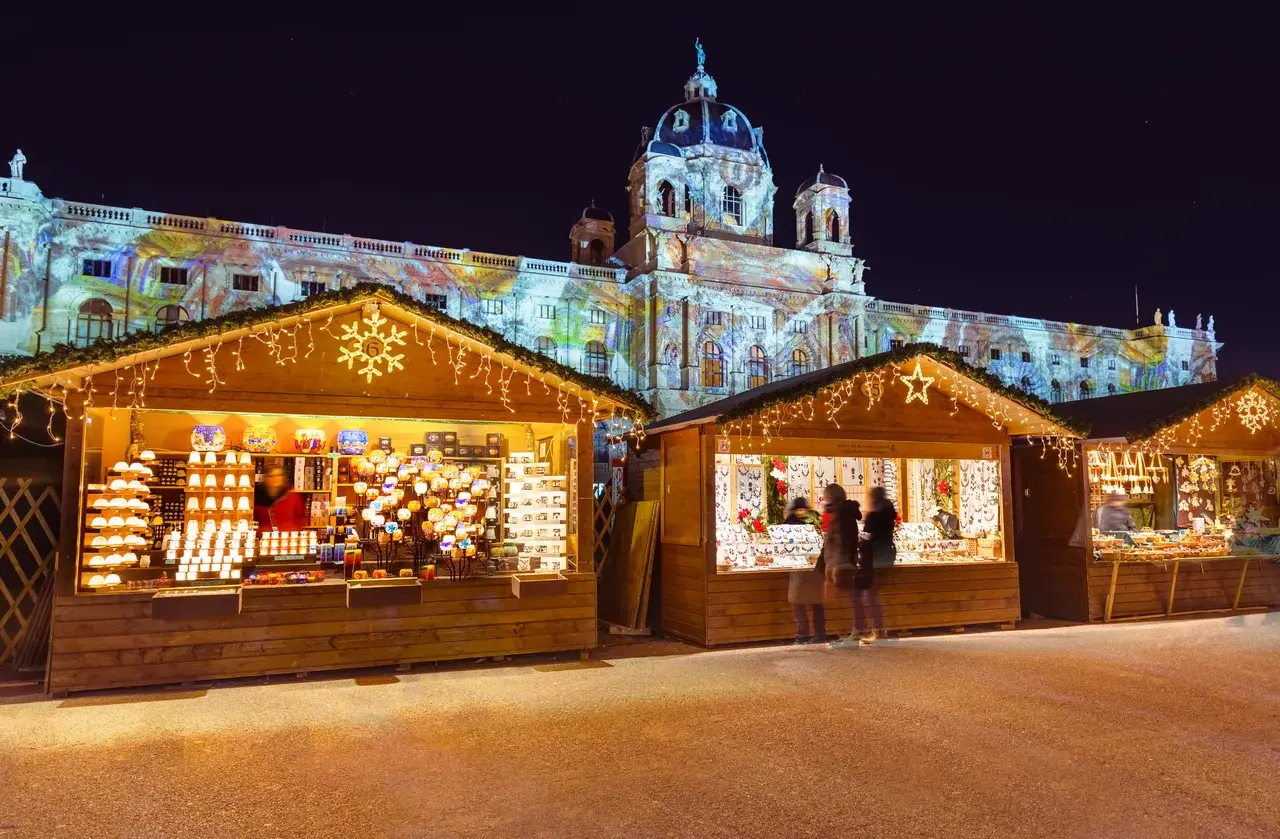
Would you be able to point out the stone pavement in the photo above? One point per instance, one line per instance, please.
(1167, 729)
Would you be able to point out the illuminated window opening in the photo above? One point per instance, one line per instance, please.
(757, 367)
(799, 362)
(833, 226)
(731, 205)
(94, 321)
(171, 314)
(712, 365)
(595, 359)
(545, 346)
(666, 199)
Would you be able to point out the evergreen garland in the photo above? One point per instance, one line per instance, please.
(14, 371)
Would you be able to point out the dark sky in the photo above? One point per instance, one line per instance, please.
(1032, 166)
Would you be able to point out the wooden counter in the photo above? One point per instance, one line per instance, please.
(1142, 588)
(753, 606)
(111, 640)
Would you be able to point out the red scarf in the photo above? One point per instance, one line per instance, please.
(826, 521)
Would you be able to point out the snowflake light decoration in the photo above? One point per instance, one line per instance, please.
(370, 347)
(1253, 410)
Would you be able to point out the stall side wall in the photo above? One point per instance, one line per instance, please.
(683, 531)
(1049, 514)
(111, 641)
(1143, 589)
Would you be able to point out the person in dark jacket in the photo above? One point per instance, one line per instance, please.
(1114, 516)
(875, 551)
(805, 588)
(840, 548)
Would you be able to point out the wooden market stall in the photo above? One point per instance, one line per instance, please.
(1197, 468)
(441, 499)
(919, 421)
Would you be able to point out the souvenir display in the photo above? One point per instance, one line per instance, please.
(208, 438)
(259, 439)
(536, 513)
(117, 525)
(309, 440)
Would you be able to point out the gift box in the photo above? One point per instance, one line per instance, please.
(465, 451)
(494, 451)
(435, 438)
(493, 439)
(384, 443)
(450, 451)
(417, 450)
(450, 438)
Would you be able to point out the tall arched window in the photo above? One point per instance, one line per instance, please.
(94, 321)
(545, 346)
(666, 199)
(1086, 390)
(595, 252)
(1055, 391)
(757, 367)
(167, 315)
(833, 226)
(595, 359)
(712, 365)
(808, 228)
(688, 201)
(799, 362)
(731, 205)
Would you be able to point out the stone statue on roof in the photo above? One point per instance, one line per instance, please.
(15, 165)
(1173, 319)
(1159, 318)
(1199, 322)
(702, 54)
(1210, 329)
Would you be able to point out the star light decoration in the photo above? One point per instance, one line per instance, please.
(923, 393)
(1253, 410)
(370, 347)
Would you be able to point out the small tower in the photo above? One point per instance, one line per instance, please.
(591, 238)
(822, 215)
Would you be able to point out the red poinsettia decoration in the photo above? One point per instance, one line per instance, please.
(898, 519)
(744, 514)
(778, 464)
(781, 486)
(757, 525)
(944, 488)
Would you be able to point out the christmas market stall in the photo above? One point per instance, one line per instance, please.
(918, 421)
(351, 480)
(1176, 512)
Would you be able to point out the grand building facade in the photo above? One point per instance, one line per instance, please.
(696, 304)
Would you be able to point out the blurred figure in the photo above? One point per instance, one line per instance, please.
(876, 550)
(1114, 515)
(840, 547)
(276, 505)
(805, 588)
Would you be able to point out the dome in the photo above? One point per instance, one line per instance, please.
(594, 212)
(822, 178)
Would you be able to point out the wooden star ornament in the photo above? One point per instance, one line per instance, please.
(924, 381)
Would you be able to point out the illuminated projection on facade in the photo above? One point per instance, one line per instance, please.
(697, 304)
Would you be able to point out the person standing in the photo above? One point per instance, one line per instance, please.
(1114, 516)
(875, 550)
(805, 588)
(840, 548)
(276, 506)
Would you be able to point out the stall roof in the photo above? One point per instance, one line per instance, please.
(751, 402)
(40, 369)
(1138, 415)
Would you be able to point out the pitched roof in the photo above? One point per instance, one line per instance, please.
(780, 391)
(16, 371)
(1138, 415)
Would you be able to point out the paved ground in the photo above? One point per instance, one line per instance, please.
(1135, 730)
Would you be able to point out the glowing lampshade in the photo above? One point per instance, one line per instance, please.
(208, 438)
(360, 487)
(403, 514)
(259, 439)
(310, 440)
(378, 520)
(353, 441)
(421, 487)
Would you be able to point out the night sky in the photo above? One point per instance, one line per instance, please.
(1039, 167)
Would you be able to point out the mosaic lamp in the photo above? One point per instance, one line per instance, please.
(208, 438)
(353, 441)
(259, 439)
(310, 440)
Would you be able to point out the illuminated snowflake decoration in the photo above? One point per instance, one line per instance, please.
(366, 344)
(924, 381)
(1253, 410)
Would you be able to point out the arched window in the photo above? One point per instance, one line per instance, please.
(595, 359)
(595, 252)
(799, 362)
(731, 205)
(666, 199)
(1055, 391)
(833, 226)
(712, 365)
(167, 315)
(94, 321)
(1086, 390)
(1111, 389)
(757, 367)
(1025, 383)
(545, 346)
(808, 228)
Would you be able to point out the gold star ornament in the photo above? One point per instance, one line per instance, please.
(917, 378)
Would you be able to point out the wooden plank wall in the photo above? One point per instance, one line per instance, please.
(111, 641)
(753, 606)
(683, 585)
(1144, 589)
(1049, 504)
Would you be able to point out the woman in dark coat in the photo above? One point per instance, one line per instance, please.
(875, 551)
(840, 548)
(805, 588)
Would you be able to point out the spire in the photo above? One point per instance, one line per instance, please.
(700, 85)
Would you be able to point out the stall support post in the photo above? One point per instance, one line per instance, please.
(1235, 602)
(1173, 587)
(586, 514)
(68, 556)
(1006, 505)
(1111, 592)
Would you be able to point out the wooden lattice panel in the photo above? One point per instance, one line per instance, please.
(29, 518)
